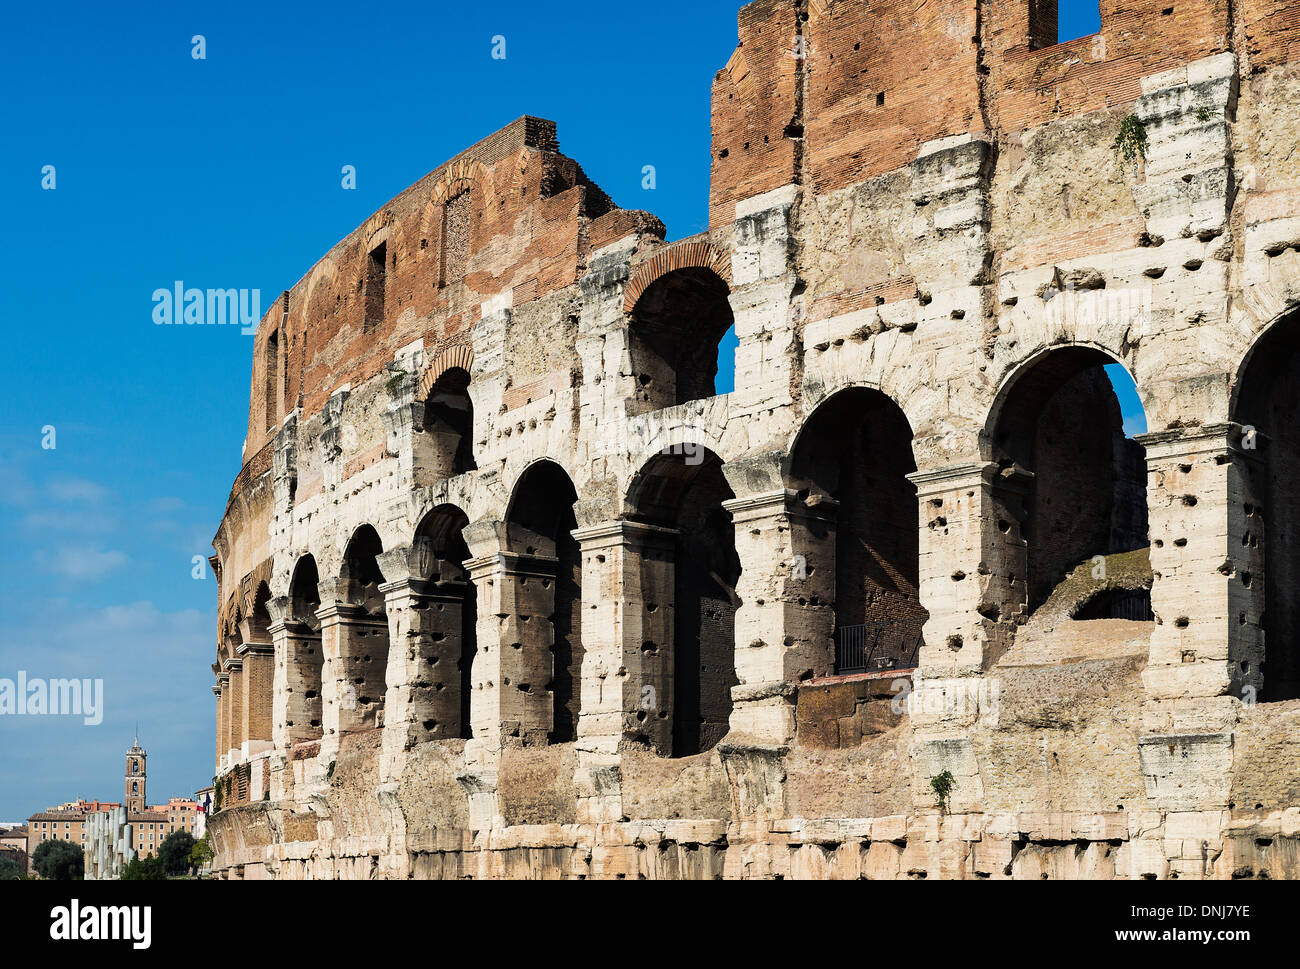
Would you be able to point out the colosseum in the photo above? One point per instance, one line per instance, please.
(508, 590)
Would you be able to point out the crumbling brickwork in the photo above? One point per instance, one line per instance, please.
(536, 602)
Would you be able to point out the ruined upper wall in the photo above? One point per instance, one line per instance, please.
(826, 93)
(531, 218)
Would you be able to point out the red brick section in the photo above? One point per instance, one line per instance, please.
(1029, 87)
(686, 254)
(755, 102)
(1271, 29)
(882, 80)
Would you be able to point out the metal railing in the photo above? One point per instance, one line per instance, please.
(874, 646)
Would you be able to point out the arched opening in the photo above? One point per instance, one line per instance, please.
(447, 444)
(448, 635)
(1071, 485)
(851, 464)
(258, 627)
(363, 646)
(683, 490)
(304, 661)
(540, 524)
(1266, 520)
(676, 331)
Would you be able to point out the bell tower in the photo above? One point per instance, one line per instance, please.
(135, 799)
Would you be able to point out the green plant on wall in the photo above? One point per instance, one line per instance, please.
(1131, 141)
(942, 785)
(395, 381)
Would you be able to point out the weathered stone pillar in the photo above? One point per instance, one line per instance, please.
(972, 565)
(1207, 593)
(296, 709)
(627, 636)
(355, 645)
(512, 704)
(424, 604)
(1207, 647)
(786, 620)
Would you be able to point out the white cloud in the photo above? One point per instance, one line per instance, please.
(82, 563)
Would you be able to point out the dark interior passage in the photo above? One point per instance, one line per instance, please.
(541, 523)
(1268, 405)
(1071, 479)
(856, 451)
(685, 491)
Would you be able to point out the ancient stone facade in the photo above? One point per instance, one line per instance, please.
(508, 591)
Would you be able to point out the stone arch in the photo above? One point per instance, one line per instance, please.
(444, 447)
(450, 222)
(693, 579)
(690, 435)
(1100, 354)
(376, 231)
(686, 255)
(324, 277)
(447, 635)
(1264, 520)
(540, 521)
(679, 310)
(859, 565)
(1069, 484)
(460, 357)
(303, 656)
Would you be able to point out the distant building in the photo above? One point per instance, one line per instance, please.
(13, 844)
(148, 824)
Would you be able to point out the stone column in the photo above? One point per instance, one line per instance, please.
(786, 620)
(512, 704)
(355, 645)
(1208, 582)
(219, 692)
(424, 600)
(627, 636)
(972, 565)
(233, 688)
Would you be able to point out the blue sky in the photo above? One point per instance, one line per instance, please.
(225, 172)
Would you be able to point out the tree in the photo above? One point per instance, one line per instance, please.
(10, 870)
(201, 853)
(144, 870)
(59, 861)
(174, 852)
